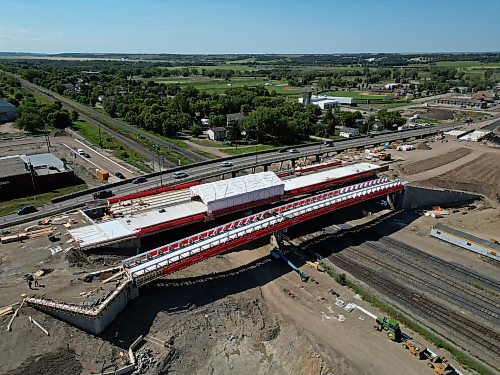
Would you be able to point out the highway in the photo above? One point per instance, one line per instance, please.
(212, 168)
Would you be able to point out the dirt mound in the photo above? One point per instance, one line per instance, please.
(481, 175)
(435, 162)
(78, 258)
(61, 361)
(422, 146)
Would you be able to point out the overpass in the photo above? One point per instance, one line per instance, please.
(212, 168)
(142, 269)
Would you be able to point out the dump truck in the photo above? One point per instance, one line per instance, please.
(391, 326)
(414, 347)
(441, 366)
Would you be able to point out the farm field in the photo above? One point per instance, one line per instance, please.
(218, 85)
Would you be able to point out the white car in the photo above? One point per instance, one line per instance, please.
(226, 164)
(81, 152)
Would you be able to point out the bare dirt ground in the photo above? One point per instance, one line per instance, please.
(481, 175)
(436, 161)
(237, 313)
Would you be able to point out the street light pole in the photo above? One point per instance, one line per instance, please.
(159, 165)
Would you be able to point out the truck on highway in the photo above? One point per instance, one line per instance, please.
(103, 194)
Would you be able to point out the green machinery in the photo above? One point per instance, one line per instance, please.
(389, 325)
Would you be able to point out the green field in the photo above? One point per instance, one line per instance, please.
(236, 67)
(469, 64)
(12, 205)
(219, 86)
(91, 134)
(356, 95)
(240, 150)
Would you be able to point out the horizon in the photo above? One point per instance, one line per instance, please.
(250, 27)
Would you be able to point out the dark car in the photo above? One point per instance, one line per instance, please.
(103, 194)
(120, 175)
(139, 180)
(179, 174)
(26, 210)
(281, 150)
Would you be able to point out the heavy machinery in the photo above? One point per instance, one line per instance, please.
(415, 348)
(278, 255)
(441, 366)
(389, 325)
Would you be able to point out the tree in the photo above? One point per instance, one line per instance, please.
(31, 122)
(61, 119)
(390, 119)
(74, 116)
(330, 122)
(196, 131)
(233, 132)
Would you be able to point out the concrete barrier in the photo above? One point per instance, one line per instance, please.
(421, 197)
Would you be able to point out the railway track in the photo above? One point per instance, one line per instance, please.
(493, 285)
(468, 329)
(460, 301)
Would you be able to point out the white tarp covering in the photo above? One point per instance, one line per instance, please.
(224, 194)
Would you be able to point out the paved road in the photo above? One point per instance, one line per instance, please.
(212, 168)
(96, 118)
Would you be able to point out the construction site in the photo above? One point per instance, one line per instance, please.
(379, 260)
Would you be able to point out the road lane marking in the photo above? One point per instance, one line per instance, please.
(105, 157)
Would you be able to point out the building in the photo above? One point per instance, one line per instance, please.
(348, 132)
(26, 174)
(466, 241)
(234, 117)
(7, 111)
(328, 101)
(217, 134)
(484, 96)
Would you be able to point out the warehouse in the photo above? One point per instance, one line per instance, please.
(28, 174)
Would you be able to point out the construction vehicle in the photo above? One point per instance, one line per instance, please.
(278, 255)
(389, 325)
(384, 156)
(415, 348)
(441, 366)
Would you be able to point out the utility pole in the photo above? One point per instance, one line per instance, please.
(159, 165)
(30, 166)
(100, 141)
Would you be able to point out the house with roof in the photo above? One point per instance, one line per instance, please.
(217, 134)
(234, 117)
(7, 111)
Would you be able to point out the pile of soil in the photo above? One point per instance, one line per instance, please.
(435, 162)
(61, 361)
(78, 258)
(481, 175)
(422, 146)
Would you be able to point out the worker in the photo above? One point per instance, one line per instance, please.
(30, 279)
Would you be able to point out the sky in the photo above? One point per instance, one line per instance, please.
(244, 26)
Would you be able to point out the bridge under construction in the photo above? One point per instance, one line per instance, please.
(144, 268)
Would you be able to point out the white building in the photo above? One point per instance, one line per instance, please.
(217, 134)
(348, 132)
(328, 101)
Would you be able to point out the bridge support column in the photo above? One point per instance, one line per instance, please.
(390, 201)
(266, 167)
(233, 174)
(318, 158)
(293, 162)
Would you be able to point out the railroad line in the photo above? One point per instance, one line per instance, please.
(464, 271)
(470, 330)
(452, 296)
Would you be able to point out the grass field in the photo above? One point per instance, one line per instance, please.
(240, 150)
(219, 86)
(12, 205)
(91, 134)
(236, 67)
(355, 95)
(469, 64)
